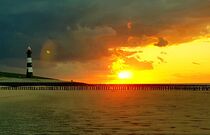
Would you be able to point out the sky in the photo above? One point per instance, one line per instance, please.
(111, 41)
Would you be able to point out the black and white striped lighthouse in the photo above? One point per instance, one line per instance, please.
(29, 72)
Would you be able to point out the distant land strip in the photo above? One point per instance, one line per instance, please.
(22, 76)
(85, 86)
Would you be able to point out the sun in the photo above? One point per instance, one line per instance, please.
(125, 75)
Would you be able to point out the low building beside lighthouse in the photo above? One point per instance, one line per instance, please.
(29, 72)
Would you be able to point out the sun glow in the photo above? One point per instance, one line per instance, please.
(125, 75)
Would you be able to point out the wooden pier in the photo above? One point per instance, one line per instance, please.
(83, 86)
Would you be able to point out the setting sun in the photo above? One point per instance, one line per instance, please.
(125, 75)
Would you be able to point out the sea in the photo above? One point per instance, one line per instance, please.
(104, 112)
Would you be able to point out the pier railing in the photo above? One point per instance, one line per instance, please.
(82, 86)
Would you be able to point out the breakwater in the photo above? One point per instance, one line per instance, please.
(83, 86)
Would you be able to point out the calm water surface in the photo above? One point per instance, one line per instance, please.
(104, 112)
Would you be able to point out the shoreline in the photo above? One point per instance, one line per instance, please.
(84, 86)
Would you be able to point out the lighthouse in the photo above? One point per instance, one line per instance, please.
(29, 72)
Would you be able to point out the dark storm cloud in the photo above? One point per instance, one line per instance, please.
(31, 22)
(161, 42)
(85, 43)
(84, 29)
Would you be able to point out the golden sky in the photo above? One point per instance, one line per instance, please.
(181, 63)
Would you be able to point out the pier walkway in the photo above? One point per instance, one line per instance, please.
(83, 86)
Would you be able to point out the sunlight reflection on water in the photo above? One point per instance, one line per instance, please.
(104, 112)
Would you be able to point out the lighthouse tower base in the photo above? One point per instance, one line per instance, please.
(29, 75)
